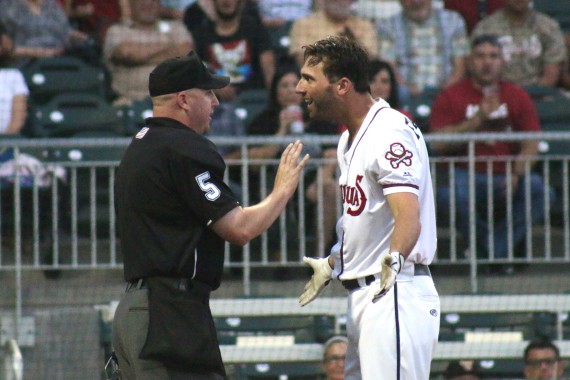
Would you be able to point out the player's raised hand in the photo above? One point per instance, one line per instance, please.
(322, 273)
(392, 263)
(289, 170)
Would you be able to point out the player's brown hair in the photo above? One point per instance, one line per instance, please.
(342, 57)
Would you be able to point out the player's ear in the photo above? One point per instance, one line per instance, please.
(343, 85)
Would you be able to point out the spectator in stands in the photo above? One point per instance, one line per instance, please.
(483, 103)
(201, 10)
(6, 45)
(542, 361)
(132, 50)
(565, 77)
(285, 115)
(333, 357)
(425, 45)
(39, 29)
(334, 18)
(533, 44)
(462, 370)
(383, 83)
(473, 11)
(236, 44)
(93, 17)
(14, 94)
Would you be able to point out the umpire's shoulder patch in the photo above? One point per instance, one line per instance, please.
(141, 133)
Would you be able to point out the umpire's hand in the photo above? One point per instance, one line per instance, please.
(392, 263)
(322, 273)
(289, 170)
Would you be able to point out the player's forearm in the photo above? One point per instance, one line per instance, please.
(406, 211)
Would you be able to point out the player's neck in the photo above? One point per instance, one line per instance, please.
(356, 113)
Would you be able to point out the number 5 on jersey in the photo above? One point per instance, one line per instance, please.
(211, 191)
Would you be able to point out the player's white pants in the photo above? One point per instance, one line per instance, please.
(389, 345)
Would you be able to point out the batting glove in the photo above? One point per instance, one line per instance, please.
(392, 263)
(322, 274)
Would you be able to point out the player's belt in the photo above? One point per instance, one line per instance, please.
(419, 270)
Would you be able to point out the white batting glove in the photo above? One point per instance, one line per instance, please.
(322, 274)
(392, 263)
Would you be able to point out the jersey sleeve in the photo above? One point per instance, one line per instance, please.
(398, 160)
(202, 187)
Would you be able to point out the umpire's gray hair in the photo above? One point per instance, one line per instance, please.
(334, 340)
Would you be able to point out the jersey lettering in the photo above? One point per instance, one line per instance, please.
(354, 197)
(413, 127)
(211, 191)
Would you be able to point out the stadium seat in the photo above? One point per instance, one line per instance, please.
(497, 326)
(134, 115)
(553, 109)
(279, 371)
(48, 77)
(557, 9)
(501, 368)
(250, 103)
(420, 108)
(77, 115)
(274, 330)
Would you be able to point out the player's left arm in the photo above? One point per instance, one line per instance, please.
(406, 211)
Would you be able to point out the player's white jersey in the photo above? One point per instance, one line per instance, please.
(388, 155)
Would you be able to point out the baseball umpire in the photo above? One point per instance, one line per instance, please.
(386, 235)
(174, 213)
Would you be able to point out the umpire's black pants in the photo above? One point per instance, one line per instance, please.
(130, 326)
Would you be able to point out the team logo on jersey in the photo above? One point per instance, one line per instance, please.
(398, 154)
(353, 196)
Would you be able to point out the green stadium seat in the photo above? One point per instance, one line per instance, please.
(77, 115)
(501, 368)
(554, 112)
(528, 325)
(557, 9)
(250, 103)
(279, 371)
(134, 115)
(286, 329)
(48, 77)
(420, 107)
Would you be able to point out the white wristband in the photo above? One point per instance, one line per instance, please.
(397, 261)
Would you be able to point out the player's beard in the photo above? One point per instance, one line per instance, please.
(324, 106)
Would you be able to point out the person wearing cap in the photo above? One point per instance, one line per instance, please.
(175, 214)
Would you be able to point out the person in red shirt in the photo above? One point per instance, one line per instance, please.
(473, 10)
(483, 102)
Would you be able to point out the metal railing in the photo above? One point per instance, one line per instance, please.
(70, 224)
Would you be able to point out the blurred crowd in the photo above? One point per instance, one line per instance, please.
(419, 49)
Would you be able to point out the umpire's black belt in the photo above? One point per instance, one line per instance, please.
(419, 270)
(178, 283)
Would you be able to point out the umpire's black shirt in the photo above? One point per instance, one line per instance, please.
(169, 188)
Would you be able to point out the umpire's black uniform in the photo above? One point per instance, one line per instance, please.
(169, 188)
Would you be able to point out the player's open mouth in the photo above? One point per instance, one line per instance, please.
(308, 102)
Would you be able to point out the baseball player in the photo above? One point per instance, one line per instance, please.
(387, 234)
